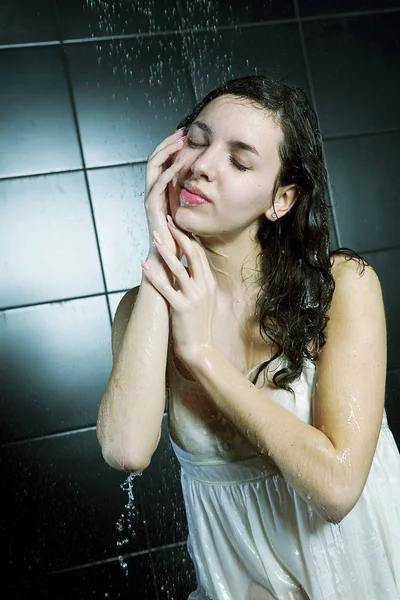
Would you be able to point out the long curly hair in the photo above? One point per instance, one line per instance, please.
(297, 284)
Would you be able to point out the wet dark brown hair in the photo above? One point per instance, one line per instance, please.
(296, 259)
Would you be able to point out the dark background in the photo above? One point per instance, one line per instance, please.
(87, 89)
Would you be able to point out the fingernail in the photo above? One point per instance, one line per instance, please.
(157, 238)
(170, 221)
(145, 266)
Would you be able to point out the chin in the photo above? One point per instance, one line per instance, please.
(181, 221)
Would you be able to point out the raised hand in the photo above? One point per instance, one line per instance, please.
(192, 304)
(161, 169)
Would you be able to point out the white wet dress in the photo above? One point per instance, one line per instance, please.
(252, 537)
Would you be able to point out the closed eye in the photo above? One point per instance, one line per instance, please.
(193, 144)
(233, 162)
(237, 165)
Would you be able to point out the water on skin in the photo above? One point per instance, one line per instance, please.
(199, 21)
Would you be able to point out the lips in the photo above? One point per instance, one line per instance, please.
(192, 196)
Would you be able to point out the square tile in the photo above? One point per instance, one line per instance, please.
(99, 18)
(104, 580)
(118, 202)
(275, 50)
(386, 264)
(203, 14)
(48, 248)
(63, 507)
(38, 133)
(55, 361)
(27, 21)
(355, 68)
(162, 495)
(365, 178)
(130, 94)
(175, 574)
(392, 404)
(309, 8)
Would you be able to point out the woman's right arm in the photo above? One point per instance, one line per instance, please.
(131, 409)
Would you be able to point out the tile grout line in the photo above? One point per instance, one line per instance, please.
(72, 103)
(142, 162)
(307, 65)
(170, 32)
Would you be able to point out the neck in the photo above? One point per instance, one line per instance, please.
(235, 265)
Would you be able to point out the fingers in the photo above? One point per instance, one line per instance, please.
(162, 157)
(195, 255)
(160, 283)
(170, 140)
(174, 264)
(163, 153)
(159, 158)
(166, 176)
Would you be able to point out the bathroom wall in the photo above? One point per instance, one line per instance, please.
(88, 88)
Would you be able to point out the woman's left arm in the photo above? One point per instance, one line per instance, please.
(328, 462)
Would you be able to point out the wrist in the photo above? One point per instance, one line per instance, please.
(154, 261)
(201, 359)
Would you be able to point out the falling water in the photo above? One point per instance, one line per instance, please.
(125, 524)
(202, 38)
(126, 33)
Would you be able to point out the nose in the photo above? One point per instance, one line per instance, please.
(205, 164)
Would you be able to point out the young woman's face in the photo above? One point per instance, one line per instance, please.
(230, 160)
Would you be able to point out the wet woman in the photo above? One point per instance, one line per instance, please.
(272, 349)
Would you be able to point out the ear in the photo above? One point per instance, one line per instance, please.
(284, 200)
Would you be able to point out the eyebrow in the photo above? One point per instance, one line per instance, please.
(237, 143)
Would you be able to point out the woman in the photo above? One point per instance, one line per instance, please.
(273, 353)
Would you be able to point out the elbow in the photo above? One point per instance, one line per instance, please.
(121, 459)
(125, 463)
(339, 503)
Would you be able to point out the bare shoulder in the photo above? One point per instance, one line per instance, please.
(352, 277)
(357, 312)
(121, 319)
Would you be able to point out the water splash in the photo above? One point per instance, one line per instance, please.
(125, 524)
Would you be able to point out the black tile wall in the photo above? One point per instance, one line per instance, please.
(105, 580)
(143, 96)
(392, 403)
(98, 18)
(90, 87)
(354, 63)
(175, 574)
(55, 360)
(386, 264)
(205, 15)
(23, 22)
(118, 203)
(365, 178)
(64, 505)
(38, 133)
(161, 490)
(316, 7)
(48, 237)
(216, 56)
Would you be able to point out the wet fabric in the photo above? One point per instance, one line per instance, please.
(252, 537)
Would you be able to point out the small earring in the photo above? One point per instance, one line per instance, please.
(274, 215)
